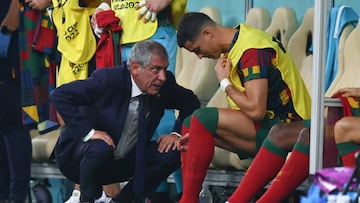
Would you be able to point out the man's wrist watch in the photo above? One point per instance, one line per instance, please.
(4, 30)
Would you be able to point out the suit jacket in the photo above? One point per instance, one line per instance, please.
(101, 103)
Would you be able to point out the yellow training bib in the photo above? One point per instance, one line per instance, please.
(70, 71)
(134, 30)
(76, 40)
(253, 38)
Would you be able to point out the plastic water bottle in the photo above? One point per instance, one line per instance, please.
(343, 199)
(331, 198)
(205, 195)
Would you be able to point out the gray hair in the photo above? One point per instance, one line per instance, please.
(142, 52)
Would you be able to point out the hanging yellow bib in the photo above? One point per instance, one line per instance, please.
(75, 37)
(134, 30)
(178, 9)
(70, 71)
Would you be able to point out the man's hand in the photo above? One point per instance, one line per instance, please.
(11, 20)
(347, 92)
(182, 143)
(222, 68)
(102, 135)
(102, 7)
(38, 4)
(150, 8)
(167, 142)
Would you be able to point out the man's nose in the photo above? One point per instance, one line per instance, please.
(162, 75)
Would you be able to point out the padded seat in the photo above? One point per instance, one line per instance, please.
(258, 18)
(283, 24)
(43, 145)
(335, 84)
(300, 47)
(351, 64)
(339, 18)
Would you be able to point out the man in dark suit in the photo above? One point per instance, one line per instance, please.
(15, 141)
(96, 112)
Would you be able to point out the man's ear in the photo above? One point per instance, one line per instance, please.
(134, 67)
(207, 32)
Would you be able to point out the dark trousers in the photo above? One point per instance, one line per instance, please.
(15, 143)
(92, 165)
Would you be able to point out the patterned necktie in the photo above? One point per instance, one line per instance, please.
(139, 177)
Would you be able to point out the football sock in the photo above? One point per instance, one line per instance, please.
(347, 151)
(264, 167)
(184, 130)
(199, 154)
(291, 175)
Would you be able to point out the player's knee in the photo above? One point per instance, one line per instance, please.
(340, 130)
(276, 133)
(208, 117)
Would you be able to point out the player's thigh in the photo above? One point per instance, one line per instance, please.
(235, 123)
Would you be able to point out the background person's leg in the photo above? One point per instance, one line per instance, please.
(4, 170)
(18, 149)
(16, 141)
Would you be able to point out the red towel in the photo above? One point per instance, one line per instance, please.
(350, 106)
(108, 52)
